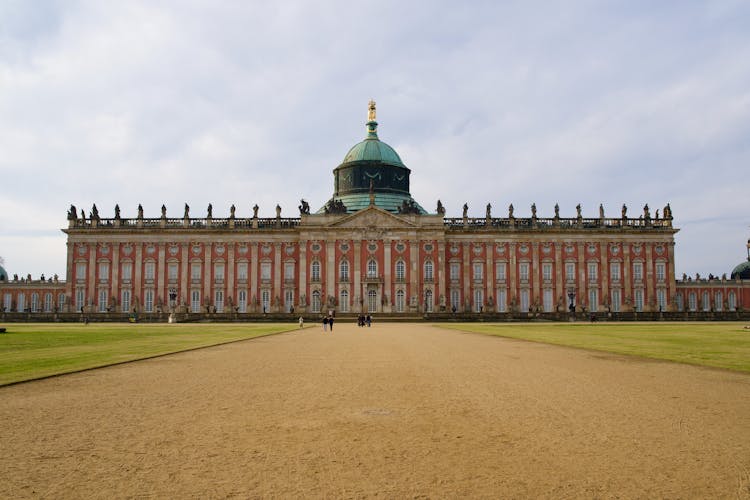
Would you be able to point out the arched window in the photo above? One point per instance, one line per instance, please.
(731, 301)
(21, 302)
(428, 270)
(400, 270)
(316, 301)
(242, 301)
(103, 298)
(315, 270)
(400, 301)
(34, 302)
(479, 300)
(718, 301)
(344, 270)
(372, 301)
(372, 268)
(344, 301)
(692, 301)
(125, 301)
(47, 302)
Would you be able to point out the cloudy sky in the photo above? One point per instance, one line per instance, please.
(256, 102)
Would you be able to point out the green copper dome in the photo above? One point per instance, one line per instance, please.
(742, 271)
(3, 274)
(373, 149)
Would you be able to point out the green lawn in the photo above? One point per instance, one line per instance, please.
(29, 351)
(720, 345)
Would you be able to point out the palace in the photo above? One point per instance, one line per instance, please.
(371, 248)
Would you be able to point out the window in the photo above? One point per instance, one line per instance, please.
(400, 301)
(455, 270)
(638, 305)
(60, 301)
(288, 300)
(661, 299)
(500, 271)
(731, 301)
(372, 270)
(172, 297)
(614, 271)
(195, 301)
(593, 275)
(502, 300)
(242, 301)
(172, 271)
(455, 300)
(125, 301)
(637, 271)
(478, 300)
(524, 300)
(242, 271)
(127, 271)
(547, 300)
(428, 270)
(219, 272)
(289, 271)
(547, 271)
(21, 302)
(219, 300)
(314, 271)
(316, 301)
(80, 298)
(680, 302)
(149, 271)
(692, 301)
(34, 302)
(523, 271)
(344, 301)
(616, 300)
(344, 270)
(706, 302)
(265, 298)
(102, 300)
(195, 272)
(47, 302)
(660, 271)
(372, 301)
(478, 271)
(593, 300)
(428, 301)
(570, 271)
(103, 271)
(148, 303)
(400, 270)
(718, 301)
(265, 271)
(81, 271)
(7, 302)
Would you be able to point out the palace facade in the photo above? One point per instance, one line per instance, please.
(370, 248)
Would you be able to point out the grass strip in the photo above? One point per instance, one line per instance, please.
(36, 350)
(719, 345)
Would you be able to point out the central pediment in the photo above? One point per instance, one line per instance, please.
(372, 217)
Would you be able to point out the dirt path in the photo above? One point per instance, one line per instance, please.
(394, 411)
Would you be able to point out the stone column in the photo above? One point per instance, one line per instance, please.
(303, 274)
(278, 290)
(254, 292)
(92, 285)
(116, 275)
(513, 277)
(387, 282)
(489, 276)
(467, 277)
(604, 270)
(69, 278)
(626, 281)
(161, 286)
(207, 262)
(137, 297)
(650, 295)
(230, 292)
(330, 284)
(357, 289)
(535, 289)
(184, 276)
(670, 277)
(441, 275)
(583, 287)
(414, 274)
(560, 291)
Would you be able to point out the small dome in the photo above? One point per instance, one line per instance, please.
(742, 271)
(3, 274)
(373, 149)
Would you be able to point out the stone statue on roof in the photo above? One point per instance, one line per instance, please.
(557, 211)
(140, 211)
(210, 211)
(255, 211)
(163, 211)
(231, 211)
(371, 111)
(440, 208)
(186, 214)
(72, 212)
(510, 211)
(601, 211)
(117, 211)
(578, 210)
(624, 210)
(533, 210)
(466, 210)
(304, 208)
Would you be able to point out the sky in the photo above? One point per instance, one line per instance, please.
(173, 102)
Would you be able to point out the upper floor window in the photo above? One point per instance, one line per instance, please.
(195, 271)
(242, 271)
(372, 268)
(455, 270)
(150, 270)
(127, 271)
(547, 271)
(500, 271)
(570, 271)
(265, 271)
(172, 271)
(103, 271)
(523, 271)
(637, 270)
(400, 270)
(81, 271)
(660, 271)
(344, 270)
(288, 271)
(614, 271)
(593, 274)
(315, 270)
(478, 271)
(428, 270)
(219, 271)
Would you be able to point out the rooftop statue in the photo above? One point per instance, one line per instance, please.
(578, 210)
(335, 207)
(624, 210)
(601, 211)
(72, 213)
(488, 211)
(94, 212)
(304, 208)
(210, 211)
(510, 211)
(186, 215)
(408, 207)
(164, 211)
(278, 211)
(255, 211)
(117, 211)
(667, 212)
(231, 211)
(466, 210)
(371, 111)
(646, 213)
(533, 210)
(440, 208)
(140, 211)
(557, 211)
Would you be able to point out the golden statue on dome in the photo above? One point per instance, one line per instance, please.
(371, 111)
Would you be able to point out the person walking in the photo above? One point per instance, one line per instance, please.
(369, 321)
(330, 323)
(325, 323)
(301, 321)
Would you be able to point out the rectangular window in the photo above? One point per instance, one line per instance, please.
(344, 301)
(638, 300)
(344, 270)
(195, 271)
(149, 271)
(500, 271)
(692, 301)
(289, 271)
(34, 302)
(718, 301)
(593, 275)
(637, 271)
(103, 271)
(523, 271)
(455, 270)
(242, 301)
(125, 301)
(400, 267)
(148, 305)
(60, 301)
(48, 302)
(219, 272)
(265, 297)
(661, 299)
(660, 271)
(288, 300)
(219, 301)
(102, 300)
(570, 271)
(478, 271)
(265, 271)
(616, 300)
(502, 300)
(547, 300)
(593, 300)
(81, 271)
(706, 302)
(455, 300)
(547, 271)
(195, 301)
(614, 271)
(524, 301)
(127, 271)
(21, 306)
(428, 271)
(242, 271)
(7, 302)
(80, 298)
(478, 300)
(172, 271)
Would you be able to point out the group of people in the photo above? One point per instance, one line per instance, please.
(328, 322)
(363, 320)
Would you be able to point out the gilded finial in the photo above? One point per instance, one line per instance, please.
(371, 111)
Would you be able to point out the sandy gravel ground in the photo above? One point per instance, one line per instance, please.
(394, 411)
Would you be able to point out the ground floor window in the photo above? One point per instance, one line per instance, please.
(661, 299)
(148, 303)
(372, 301)
(265, 298)
(524, 300)
(34, 302)
(680, 302)
(172, 297)
(125, 301)
(288, 300)
(692, 301)
(616, 300)
(80, 298)
(344, 301)
(638, 305)
(731, 301)
(219, 301)
(195, 301)
(400, 301)
(428, 301)
(455, 300)
(706, 302)
(21, 302)
(593, 300)
(47, 302)
(718, 301)
(242, 301)
(315, 301)
(7, 302)
(103, 300)
(60, 301)
(502, 300)
(478, 300)
(547, 300)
